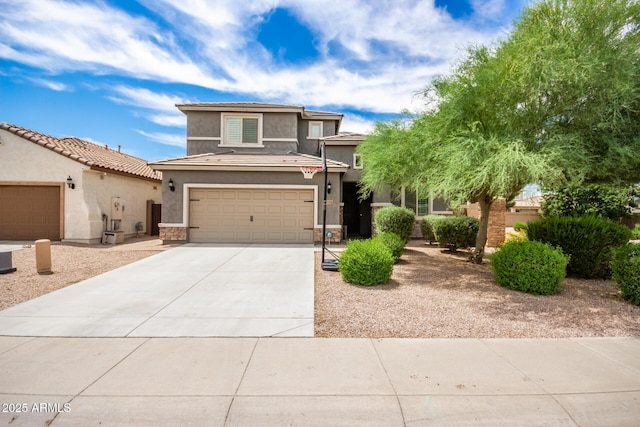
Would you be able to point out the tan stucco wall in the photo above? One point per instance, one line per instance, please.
(100, 188)
(23, 161)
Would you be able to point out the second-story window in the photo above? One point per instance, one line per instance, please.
(315, 130)
(357, 161)
(241, 129)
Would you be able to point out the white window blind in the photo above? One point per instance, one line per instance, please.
(315, 130)
(250, 131)
(233, 130)
(241, 130)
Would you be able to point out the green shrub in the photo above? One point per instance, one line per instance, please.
(601, 200)
(366, 263)
(394, 219)
(635, 233)
(393, 242)
(426, 227)
(588, 240)
(519, 226)
(626, 271)
(527, 266)
(456, 232)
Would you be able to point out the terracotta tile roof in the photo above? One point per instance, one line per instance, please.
(88, 153)
(267, 162)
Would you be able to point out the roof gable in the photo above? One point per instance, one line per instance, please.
(88, 153)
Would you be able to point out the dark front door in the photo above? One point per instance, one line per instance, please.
(356, 213)
(156, 218)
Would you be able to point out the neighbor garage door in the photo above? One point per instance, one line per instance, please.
(29, 212)
(246, 215)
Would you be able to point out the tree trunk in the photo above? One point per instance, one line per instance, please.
(481, 240)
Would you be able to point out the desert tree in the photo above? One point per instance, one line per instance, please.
(556, 101)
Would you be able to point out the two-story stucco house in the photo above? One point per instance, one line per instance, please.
(241, 180)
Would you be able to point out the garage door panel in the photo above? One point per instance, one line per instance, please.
(29, 212)
(259, 195)
(274, 210)
(279, 215)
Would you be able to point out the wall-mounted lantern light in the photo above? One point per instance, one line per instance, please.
(329, 187)
(70, 183)
(172, 186)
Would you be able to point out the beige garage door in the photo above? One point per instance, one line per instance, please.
(29, 212)
(234, 215)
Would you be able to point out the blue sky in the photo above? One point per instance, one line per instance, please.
(111, 71)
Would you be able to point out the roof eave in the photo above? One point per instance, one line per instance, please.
(237, 168)
(127, 174)
(239, 108)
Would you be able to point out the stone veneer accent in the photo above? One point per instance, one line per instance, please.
(336, 238)
(497, 221)
(169, 233)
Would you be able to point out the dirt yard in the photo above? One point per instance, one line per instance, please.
(434, 294)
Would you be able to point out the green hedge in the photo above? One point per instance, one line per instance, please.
(393, 219)
(635, 233)
(366, 263)
(626, 271)
(456, 232)
(519, 226)
(393, 242)
(426, 227)
(528, 266)
(588, 240)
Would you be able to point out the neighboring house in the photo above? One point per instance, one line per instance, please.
(72, 190)
(241, 178)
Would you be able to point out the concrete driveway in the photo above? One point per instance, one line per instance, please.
(195, 290)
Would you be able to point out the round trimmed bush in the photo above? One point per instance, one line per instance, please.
(393, 219)
(626, 271)
(456, 232)
(426, 227)
(520, 226)
(528, 266)
(366, 263)
(588, 240)
(635, 233)
(393, 242)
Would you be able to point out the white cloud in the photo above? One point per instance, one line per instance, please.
(61, 35)
(57, 86)
(373, 55)
(158, 102)
(356, 123)
(165, 138)
(176, 120)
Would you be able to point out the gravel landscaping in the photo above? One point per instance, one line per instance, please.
(431, 294)
(440, 295)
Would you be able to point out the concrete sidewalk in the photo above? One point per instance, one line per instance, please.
(189, 291)
(313, 381)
